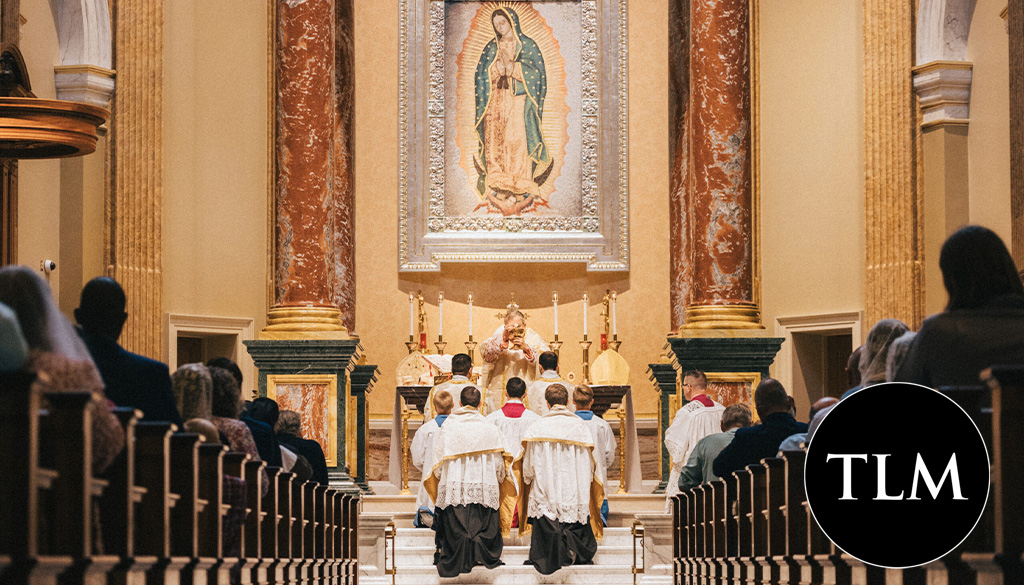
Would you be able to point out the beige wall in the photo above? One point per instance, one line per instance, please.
(989, 134)
(812, 165)
(215, 158)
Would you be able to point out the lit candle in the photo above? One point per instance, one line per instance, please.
(615, 329)
(440, 313)
(584, 314)
(412, 315)
(471, 315)
(554, 299)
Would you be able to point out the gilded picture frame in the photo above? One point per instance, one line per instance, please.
(569, 58)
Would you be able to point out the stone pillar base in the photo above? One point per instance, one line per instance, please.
(734, 316)
(295, 323)
(301, 366)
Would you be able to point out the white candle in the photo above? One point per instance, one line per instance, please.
(412, 315)
(471, 315)
(440, 313)
(615, 329)
(554, 299)
(584, 314)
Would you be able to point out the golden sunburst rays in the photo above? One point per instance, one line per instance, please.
(555, 120)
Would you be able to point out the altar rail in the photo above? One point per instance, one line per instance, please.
(162, 513)
(756, 527)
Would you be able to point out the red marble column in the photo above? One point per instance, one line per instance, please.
(314, 259)
(720, 186)
(680, 250)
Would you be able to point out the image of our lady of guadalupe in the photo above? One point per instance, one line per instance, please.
(511, 84)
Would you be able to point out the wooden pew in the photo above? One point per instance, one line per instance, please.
(298, 509)
(744, 542)
(775, 515)
(252, 568)
(153, 475)
(271, 569)
(285, 569)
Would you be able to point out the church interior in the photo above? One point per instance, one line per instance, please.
(768, 181)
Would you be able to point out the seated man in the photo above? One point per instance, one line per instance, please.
(752, 444)
(472, 490)
(422, 451)
(698, 468)
(548, 362)
(513, 418)
(604, 438)
(561, 494)
(289, 434)
(462, 365)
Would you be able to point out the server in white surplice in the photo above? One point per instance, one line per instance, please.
(561, 493)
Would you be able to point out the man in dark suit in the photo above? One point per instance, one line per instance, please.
(130, 380)
(752, 444)
(288, 425)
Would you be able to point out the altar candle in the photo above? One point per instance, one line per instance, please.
(440, 313)
(554, 299)
(615, 329)
(412, 315)
(471, 315)
(584, 314)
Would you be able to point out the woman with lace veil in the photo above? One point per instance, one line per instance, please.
(58, 357)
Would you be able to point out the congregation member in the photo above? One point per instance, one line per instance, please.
(699, 417)
(752, 444)
(13, 348)
(262, 434)
(548, 362)
(561, 493)
(513, 418)
(601, 432)
(130, 380)
(898, 354)
(462, 365)
(875, 352)
(698, 468)
(511, 351)
(422, 452)
(472, 489)
(798, 441)
(268, 412)
(225, 405)
(983, 323)
(289, 433)
(59, 357)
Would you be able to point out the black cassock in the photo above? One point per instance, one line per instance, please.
(555, 544)
(467, 536)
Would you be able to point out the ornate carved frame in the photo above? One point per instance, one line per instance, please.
(600, 237)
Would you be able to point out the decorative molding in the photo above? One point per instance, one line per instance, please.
(785, 327)
(599, 236)
(944, 88)
(85, 83)
(179, 325)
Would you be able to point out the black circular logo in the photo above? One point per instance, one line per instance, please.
(897, 475)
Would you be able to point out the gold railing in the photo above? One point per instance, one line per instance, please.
(638, 539)
(389, 539)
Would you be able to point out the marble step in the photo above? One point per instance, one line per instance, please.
(510, 574)
(418, 556)
(424, 537)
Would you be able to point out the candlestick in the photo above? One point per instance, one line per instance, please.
(585, 344)
(406, 415)
(412, 344)
(584, 315)
(554, 299)
(471, 348)
(471, 317)
(412, 315)
(621, 413)
(615, 343)
(439, 344)
(555, 345)
(440, 314)
(615, 328)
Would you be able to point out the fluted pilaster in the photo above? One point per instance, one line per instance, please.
(894, 241)
(133, 228)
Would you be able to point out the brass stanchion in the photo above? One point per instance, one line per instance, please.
(621, 413)
(406, 414)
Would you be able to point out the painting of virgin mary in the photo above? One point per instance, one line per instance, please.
(511, 84)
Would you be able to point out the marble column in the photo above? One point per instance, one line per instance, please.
(718, 200)
(133, 227)
(1015, 28)
(680, 251)
(344, 293)
(313, 159)
(893, 206)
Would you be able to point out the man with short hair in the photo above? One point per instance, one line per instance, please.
(129, 379)
(698, 418)
(511, 351)
(462, 365)
(535, 401)
(289, 434)
(422, 451)
(604, 438)
(513, 418)
(698, 468)
(561, 492)
(796, 441)
(752, 444)
(472, 490)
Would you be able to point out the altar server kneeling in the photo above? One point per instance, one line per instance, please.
(561, 493)
(422, 451)
(472, 489)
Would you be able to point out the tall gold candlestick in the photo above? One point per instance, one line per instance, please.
(621, 413)
(585, 344)
(614, 343)
(555, 345)
(471, 348)
(406, 414)
(412, 344)
(440, 344)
